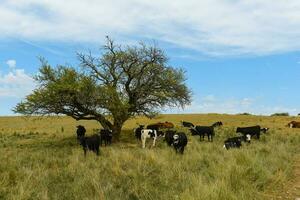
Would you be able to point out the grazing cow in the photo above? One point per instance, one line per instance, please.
(148, 133)
(138, 131)
(202, 131)
(264, 130)
(105, 136)
(179, 142)
(216, 124)
(251, 130)
(236, 142)
(187, 124)
(169, 137)
(91, 143)
(80, 131)
(159, 125)
(293, 124)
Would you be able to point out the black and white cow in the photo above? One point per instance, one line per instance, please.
(187, 124)
(80, 131)
(236, 142)
(105, 136)
(148, 133)
(251, 130)
(169, 137)
(179, 142)
(138, 132)
(90, 143)
(264, 130)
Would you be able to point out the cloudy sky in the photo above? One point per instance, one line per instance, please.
(240, 56)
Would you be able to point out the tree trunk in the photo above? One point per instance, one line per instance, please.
(116, 130)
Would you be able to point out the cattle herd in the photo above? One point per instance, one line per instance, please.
(173, 138)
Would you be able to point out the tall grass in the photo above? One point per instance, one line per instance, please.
(40, 161)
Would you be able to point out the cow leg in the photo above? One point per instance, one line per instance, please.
(143, 143)
(154, 139)
(97, 151)
(181, 150)
(84, 150)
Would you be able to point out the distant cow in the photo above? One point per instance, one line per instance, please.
(179, 142)
(187, 124)
(105, 136)
(293, 124)
(138, 132)
(169, 137)
(216, 124)
(91, 143)
(80, 131)
(236, 142)
(251, 130)
(202, 131)
(264, 130)
(148, 133)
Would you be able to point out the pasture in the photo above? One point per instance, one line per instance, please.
(41, 159)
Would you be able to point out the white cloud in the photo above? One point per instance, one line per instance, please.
(16, 83)
(11, 63)
(215, 27)
(213, 104)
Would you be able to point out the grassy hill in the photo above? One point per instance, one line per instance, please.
(41, 159)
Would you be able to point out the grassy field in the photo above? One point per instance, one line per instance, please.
(41, 159)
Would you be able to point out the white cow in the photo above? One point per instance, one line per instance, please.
(148, 133)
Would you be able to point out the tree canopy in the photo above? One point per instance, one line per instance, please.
(122, 82)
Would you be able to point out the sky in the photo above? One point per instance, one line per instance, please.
(239, 56)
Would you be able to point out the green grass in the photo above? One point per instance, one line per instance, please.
(41, 159)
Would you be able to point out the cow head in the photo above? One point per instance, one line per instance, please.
(194, 131)
(175, 139)
(248, 138)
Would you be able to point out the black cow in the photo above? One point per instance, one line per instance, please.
(179, 142)
(251, 130)
(202, 131)
(80, 131)
(187, 124)
(105, 136)
(91, 143)
(169, 137)
(216, 124)
(236, 142)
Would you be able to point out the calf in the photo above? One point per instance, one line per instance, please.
(80, 131)
(187, 124)
(169, 137)
(251, 130)
(236, 142)
(179, 142)
(91, 143)
(148, 133)
(105, 136)
(202, 131)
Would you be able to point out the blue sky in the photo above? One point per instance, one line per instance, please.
(240, 56)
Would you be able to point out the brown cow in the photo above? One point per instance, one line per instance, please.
(160, 125)
(294, 124)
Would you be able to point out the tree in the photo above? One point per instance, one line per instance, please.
(121, 83)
